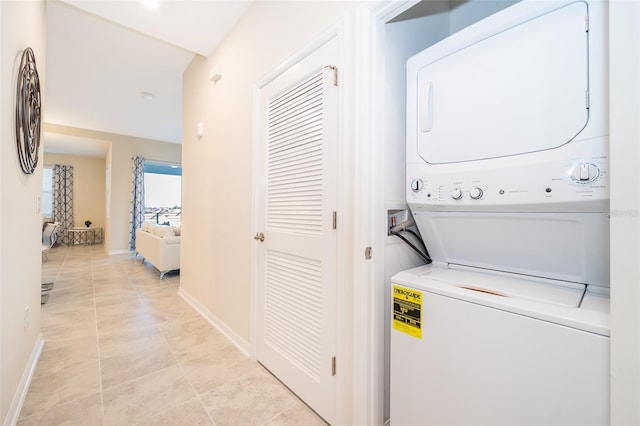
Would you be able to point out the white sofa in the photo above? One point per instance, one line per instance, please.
(159, 245)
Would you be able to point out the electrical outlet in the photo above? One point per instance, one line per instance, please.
(27, 318)
(396, 217)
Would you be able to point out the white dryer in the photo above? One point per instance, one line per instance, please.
(507, 180)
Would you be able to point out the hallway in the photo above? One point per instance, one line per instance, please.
(122, 348)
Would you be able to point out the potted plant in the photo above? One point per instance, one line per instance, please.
(87, 223)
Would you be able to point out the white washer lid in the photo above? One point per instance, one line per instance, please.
(596, 299)
(511, 286)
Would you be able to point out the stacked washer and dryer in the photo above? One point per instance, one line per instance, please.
(507, 180)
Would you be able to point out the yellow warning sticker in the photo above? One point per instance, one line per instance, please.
(407, 311)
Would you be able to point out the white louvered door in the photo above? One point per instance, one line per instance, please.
(297, 259)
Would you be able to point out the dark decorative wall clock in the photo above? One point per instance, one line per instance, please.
(28, 119)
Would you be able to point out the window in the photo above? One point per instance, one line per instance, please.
(47, 192)
(163, 193)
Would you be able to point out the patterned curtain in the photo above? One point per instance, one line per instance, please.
(63, 200)
(137, 200)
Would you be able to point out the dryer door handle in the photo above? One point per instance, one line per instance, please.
(425, 105)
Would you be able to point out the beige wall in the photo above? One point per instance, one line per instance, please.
(119, 163)
(107, 196)
(22, 24)
(217, 174)
(88, 186)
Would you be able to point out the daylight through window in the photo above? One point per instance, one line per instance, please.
(47, 192)
(163, 193)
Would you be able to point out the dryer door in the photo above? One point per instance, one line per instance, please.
(521, 90)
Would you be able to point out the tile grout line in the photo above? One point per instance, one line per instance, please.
(281, 412)
(95, 312)
(99, 266)
(198, 396)
(67, 253)
(57, 276)
(42, 318)
(235, 379)
(140, 299)
(296, 402)
(164, 337)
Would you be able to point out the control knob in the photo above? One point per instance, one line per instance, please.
(456, 194)
(416, 185)
(475, 193)
(585, 173)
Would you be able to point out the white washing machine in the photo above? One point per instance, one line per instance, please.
(484, 349)
(507, 180)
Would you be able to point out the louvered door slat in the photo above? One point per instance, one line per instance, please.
(295, 127)
(294, 163)
(291, 325)
(303, 147)
(305, 159)
(300, 136)
(297, 110)
(304, 174)
(303, 109)
(308, 132)
(303, 164)
(286, 98)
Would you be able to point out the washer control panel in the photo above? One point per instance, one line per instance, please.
(570, 184)
(457, 194)
(585, 173)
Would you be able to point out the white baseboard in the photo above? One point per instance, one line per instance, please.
(112, 252)
(25, 382)
(233, 337)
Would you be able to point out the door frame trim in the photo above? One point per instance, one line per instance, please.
(370, 229)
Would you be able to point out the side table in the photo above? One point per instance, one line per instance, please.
(85, 236)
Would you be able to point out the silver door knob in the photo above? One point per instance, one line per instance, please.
(259, 236)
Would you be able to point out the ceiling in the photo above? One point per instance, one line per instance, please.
(116, 66)
(56, 143)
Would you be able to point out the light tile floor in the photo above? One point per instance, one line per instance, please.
(122, 348)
